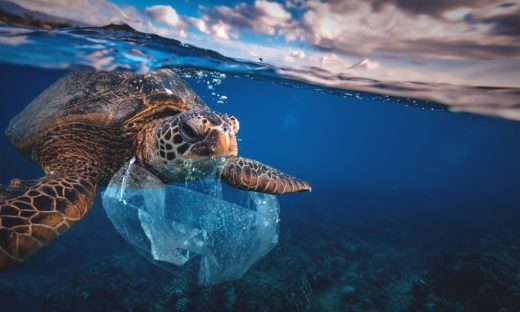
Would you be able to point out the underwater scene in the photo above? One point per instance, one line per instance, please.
(298, 155)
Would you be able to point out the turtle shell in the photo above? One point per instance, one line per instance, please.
(102, 98)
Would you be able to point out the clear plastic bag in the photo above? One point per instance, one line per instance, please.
(228, 231)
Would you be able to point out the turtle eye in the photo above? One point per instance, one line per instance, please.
(234, 123)
(188, 132)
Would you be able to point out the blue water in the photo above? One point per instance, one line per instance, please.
(413, 208)
(404, 179)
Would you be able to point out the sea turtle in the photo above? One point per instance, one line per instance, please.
(87, 125)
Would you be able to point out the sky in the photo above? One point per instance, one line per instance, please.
(465, 42)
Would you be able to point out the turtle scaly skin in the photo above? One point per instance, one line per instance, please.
(86, 126)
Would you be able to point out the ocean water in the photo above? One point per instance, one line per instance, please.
(413, 207)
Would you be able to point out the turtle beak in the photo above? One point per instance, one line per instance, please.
(223, 143)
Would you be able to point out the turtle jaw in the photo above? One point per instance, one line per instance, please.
(217, 144)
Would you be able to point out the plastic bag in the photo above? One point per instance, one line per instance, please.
(229, 231)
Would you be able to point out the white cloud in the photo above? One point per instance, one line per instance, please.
(273, 15)
(354, 27)
(164, 21)
(165, 14)
(263, 17)
(199, 24)
(221, 30)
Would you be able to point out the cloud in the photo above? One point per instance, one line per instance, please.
(93, 12)
(262, 17)
(379, 39)
(222, 30)
(356, 27)
(158, 19)
(444, 29)
(463, 50)
(433, 8)
(165, 14)
(506, 24)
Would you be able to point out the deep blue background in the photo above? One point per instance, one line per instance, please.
(439, 175)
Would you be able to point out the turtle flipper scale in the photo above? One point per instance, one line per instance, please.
(33, 213)
(248, 174)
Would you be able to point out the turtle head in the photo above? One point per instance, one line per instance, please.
(190, 145)
(197, 144)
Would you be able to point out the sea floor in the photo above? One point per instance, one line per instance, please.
(320, 264)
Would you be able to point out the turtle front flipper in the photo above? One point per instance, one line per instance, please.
(247, 174)
(33, 213)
